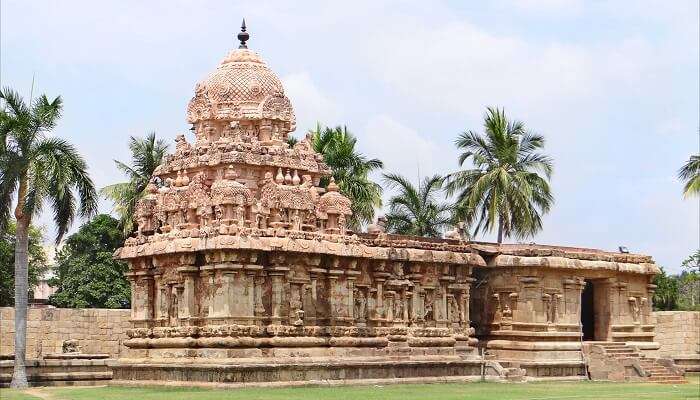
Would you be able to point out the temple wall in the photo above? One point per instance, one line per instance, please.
(96, 330)
(678, 332)
(250, 288)
(512, 301)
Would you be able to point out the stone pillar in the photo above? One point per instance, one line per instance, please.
(335, 301)
(380, 299)
(442, 306)
(188, 300)
(404, 299)
(278, 278)
(389, 306)
(351, 297)
(464, 307)
(421, 302)
(141, 296)
(206, 274)
(265, 130)
(317, 308)
(132, 284)
(251, 273)
(228, 279)
(259, 306)
(157, 297)
(417, 301)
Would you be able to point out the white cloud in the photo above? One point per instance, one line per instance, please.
(310, 105)
(403, 150)
(547, 7)
(459, 67)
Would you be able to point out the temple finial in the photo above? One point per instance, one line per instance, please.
(243, 36)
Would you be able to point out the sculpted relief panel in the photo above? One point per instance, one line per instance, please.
(238, 246)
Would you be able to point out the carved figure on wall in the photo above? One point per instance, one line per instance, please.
(454, 309)
(507, 313)
(297, 303)
(173, 312)
(456, 233)
(296, 221)
(360, 311)
(547, 302)
(398, 308)
(70, 346)
(428, 309)
(378, 227)
(634, 308)
(163, 303)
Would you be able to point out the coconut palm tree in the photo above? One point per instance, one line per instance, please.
(36, 169)
(690, 173)
(416, 210)
(146, 154)
(505, 188)
(350, 169)
(292, 141)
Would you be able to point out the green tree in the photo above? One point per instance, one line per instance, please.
(146, 154)
(505, 189)
(86, 273)
(690, 173)
(37, 261)
(350, 169)
(36, 170)
(692, 263)
(416, 210)
(689, 283)
(666, 293)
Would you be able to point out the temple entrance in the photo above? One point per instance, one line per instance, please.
(588, 311)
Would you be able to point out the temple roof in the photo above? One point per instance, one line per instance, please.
(241, 87)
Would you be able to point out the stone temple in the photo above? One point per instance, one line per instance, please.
(244, 270)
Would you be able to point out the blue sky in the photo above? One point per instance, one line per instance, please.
(613, 86)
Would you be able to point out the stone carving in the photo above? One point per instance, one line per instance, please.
(239, 252)
(378, 227)
(70, 346)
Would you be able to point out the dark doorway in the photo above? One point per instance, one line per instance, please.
(587, 312)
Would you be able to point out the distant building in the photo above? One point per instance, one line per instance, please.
(43, 290)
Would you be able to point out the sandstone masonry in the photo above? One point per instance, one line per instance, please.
(96, 330)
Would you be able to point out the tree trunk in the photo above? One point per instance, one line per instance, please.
(500, 230)
(19, 376)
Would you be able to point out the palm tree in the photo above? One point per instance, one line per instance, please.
(504, 189)
(690, 173)
(146, 154)
(292, 141)
(39, 169)
(416, 211)
(350, 170)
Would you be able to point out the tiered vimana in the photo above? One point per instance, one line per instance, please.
(244, 270)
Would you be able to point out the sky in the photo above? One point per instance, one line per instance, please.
(612, 85)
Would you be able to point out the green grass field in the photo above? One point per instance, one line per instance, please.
(471, 391)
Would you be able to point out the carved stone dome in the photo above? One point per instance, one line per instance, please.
(241, 88)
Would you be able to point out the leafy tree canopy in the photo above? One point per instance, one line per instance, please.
(350, 170)
(690, 174)
(417, 210)
(507, 187)
(146, 155)
(37, 261)
(86, 273)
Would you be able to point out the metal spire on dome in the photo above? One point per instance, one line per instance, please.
(243, 36)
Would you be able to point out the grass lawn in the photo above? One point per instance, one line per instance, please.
(471, 391)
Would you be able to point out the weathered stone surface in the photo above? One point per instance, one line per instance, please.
(242, 260)
(49, 328)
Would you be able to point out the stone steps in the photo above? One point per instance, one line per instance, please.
(657, 373)
(628, 355)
